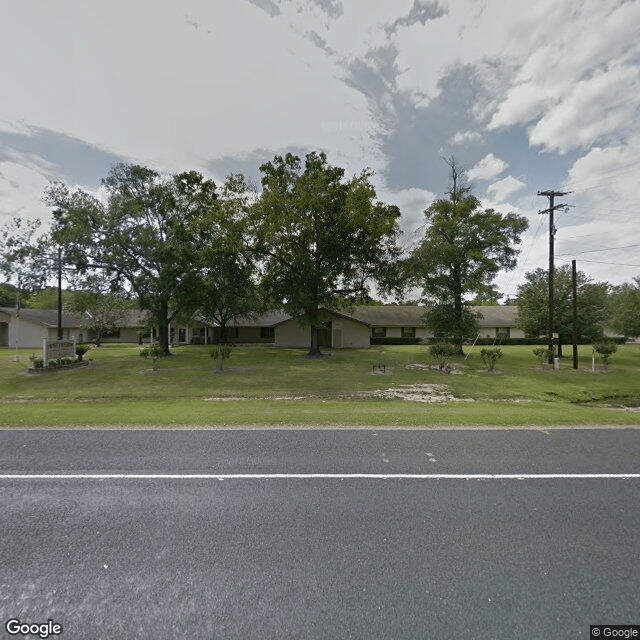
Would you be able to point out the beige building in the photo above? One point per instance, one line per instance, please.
(29, 327)
(340, 331)
(349, 328)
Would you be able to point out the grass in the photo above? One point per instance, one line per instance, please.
(267, 386)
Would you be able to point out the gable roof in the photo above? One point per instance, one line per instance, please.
(343, 313)
(413, 316)
(44, 317)
(388, 315)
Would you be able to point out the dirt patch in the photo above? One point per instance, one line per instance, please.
(226, 370)
(452, 369)
(429, 393)
(381, 371)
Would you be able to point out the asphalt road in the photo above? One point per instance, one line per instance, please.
(373, 557)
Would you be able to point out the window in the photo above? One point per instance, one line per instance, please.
(267, 332)
(408, 332)
(503, 332)
(379, 332)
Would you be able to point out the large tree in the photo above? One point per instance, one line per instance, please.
(322, 238)
(533, 303)
(135, 236)
(224, 270)
(463, 249)
(625, 308)
(26, 257)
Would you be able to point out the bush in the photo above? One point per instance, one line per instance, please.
(542, 354)
(605, 349)
(81, 349)
(220, 353)
(490, 357)
(442, 352)
(395, 341)
(151, 351)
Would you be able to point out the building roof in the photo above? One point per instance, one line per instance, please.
(388, 315)
(413, 315)
(497, 315)
(44, 317)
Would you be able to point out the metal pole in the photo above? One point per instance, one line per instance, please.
(551, 274)
(59, 293)
(574, 285)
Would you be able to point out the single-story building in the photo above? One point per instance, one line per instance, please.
(347, 328)
(407, 321)
(339, 331)
(28, 327)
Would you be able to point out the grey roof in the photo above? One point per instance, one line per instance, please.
(497, 315)
(413, 316)
(388, 315)
(44, 317)
(392, 316)
(332, 312)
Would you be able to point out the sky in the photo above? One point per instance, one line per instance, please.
(527, 95)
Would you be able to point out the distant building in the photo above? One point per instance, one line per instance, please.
(347, 328)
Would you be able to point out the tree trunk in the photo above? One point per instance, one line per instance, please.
(315, 348)
(163, 337)
(163, 328)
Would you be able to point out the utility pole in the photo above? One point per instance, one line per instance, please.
(574, 287)
(552, 232)
(59, 293)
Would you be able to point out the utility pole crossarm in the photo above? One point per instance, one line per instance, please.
(551, 194)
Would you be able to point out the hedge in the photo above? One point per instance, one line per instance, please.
(396, 340)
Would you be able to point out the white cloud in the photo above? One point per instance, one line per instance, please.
(489, 167)
(504, 188)
(465, 137)
(571, 85)
(21, 188)
(412, 204)
(592, 109)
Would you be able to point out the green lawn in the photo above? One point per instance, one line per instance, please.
(267, 386)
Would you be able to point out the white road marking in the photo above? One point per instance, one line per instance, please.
(320, 476)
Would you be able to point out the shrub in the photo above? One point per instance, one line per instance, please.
(81, 349)
(542, 354)
(605, 349)
(395, 340)
(151, 351)
(220, 353)
(490, 357)
(442, 352)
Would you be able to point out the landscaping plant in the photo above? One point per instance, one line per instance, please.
(490, 357)
(220, 353)
(605, 349)
(442, 353)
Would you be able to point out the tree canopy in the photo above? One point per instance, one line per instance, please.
(25, 257)
(625, 308)
(463, 249)
(133, 237)
(533, 303)
(321, 238)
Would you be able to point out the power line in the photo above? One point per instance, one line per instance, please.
(627, 246)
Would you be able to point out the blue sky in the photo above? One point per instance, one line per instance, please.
(528, 96)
